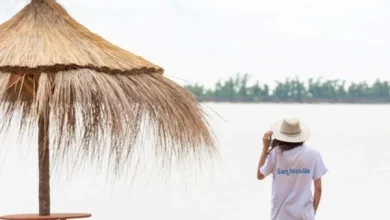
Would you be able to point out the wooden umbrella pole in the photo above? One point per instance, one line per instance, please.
(44, 164)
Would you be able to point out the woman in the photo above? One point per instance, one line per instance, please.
(294, 166)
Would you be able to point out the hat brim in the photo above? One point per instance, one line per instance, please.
(303, 136)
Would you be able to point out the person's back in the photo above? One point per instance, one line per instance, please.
(294, 166)
(293, 175)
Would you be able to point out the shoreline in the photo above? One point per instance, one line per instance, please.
(295, 103)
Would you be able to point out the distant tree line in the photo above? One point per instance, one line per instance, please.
(237, 89)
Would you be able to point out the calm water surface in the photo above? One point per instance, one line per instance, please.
(353, 139)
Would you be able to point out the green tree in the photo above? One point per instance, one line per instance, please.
(239, 89)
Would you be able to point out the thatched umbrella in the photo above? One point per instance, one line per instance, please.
(73, 83)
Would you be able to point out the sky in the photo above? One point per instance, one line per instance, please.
(207, 40)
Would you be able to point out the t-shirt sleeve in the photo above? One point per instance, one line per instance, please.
(319, 167)
(269, 164)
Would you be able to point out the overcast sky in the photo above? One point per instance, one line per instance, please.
(205, 40)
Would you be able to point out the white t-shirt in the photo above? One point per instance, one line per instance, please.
(293, 172)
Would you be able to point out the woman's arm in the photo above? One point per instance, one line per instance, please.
(266, 143)
(263, 157)
(317, 194)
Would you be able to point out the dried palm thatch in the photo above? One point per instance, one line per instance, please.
(73, 83)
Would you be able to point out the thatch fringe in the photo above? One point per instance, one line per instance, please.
(91, 113)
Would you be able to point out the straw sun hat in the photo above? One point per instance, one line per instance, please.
(290, 130)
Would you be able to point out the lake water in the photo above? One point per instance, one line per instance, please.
(353, 140)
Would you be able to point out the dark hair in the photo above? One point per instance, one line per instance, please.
(283, 146)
